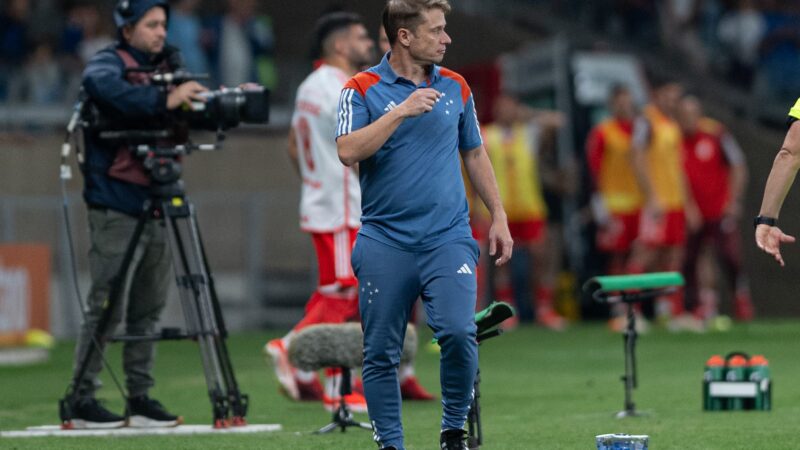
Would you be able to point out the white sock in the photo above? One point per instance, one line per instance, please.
(286, 340)
(405, 372)
(332, 382)
(304, 376)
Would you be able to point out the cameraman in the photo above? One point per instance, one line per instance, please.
(116, 188)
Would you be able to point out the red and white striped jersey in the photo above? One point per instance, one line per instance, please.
(331, 195)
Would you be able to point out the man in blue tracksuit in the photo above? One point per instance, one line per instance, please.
(115, 190)
(406, 122)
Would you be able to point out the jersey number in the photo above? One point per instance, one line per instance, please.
(304, 133)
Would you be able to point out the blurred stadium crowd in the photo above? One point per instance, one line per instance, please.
(45, 44)
(753, 43)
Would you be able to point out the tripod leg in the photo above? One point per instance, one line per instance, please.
(101, 328)
(630, 368)
(342, 417)
(238, 401)
(192, 288)
(474, 431)
(327, 428)
(634, 377)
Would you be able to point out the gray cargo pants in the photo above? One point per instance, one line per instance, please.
(149, 281)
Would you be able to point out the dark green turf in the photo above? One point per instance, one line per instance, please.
(541, 390)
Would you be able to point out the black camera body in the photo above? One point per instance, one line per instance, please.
(158, 142)
(227, 108)
(222, 110)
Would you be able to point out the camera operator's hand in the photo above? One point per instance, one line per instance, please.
(249, 86)
(185, 93)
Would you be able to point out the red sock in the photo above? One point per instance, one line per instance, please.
(544, 297)
(676, 298)
(505, 294)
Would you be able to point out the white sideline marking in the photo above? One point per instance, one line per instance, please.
(55, 430)
(22, 356)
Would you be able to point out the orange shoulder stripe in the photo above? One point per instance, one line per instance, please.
(465, 92)
(362, 81)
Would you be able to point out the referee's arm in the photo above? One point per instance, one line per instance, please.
(781, 177)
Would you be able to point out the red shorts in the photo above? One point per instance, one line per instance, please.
(667, 231)
(523, 232)
(480, 231)
(528, 231)
(326, 309)
(333, 259)
(618, 235)
(332, 302)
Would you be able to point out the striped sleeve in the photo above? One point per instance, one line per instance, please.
(469, 130)
(353, 113)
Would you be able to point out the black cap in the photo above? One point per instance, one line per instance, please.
(128, 12)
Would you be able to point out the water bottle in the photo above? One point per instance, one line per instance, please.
(736, 371)
(622, 442)
(759, 373)
(714, 371)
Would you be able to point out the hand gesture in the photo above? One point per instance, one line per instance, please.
(420, 102)
(185, 94)
(499, 236)
(769, 239)
(250, 86)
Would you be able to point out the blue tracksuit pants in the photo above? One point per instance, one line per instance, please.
(390, 280)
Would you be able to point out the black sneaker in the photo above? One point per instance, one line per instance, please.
(88, 413)
(145, 412)
(453, 440)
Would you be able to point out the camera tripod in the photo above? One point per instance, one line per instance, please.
(199, 301)
(342, 417)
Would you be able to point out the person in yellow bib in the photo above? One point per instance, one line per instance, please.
(768, 236)
(513, 143)
(617, 199)
(657, 157)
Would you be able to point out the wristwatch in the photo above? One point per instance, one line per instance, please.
(764, 220)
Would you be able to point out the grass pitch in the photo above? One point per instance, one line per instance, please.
(541, 390)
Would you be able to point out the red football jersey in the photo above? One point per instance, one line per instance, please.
(709, 154)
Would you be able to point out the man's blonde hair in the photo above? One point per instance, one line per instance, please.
(408, 14)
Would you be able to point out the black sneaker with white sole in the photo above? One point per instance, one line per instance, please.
(89, 413)
(453, 440)
(145, 412)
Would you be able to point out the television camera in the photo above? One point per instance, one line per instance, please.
(157, 144)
